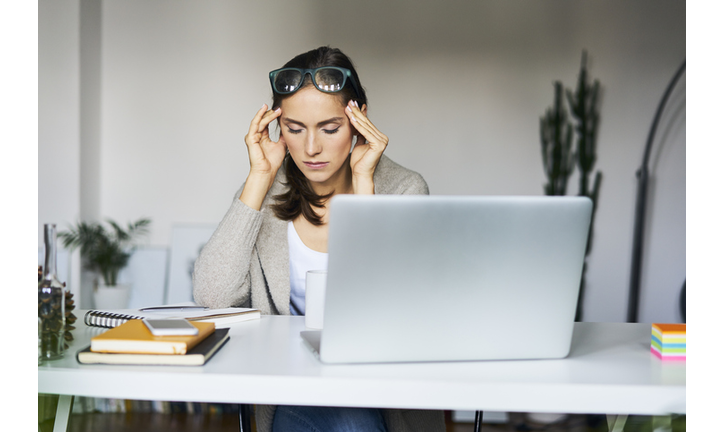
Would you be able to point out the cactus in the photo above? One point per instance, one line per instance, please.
(584, 108)
(559, 162)
(556, 139)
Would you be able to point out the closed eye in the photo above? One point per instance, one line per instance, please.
(331, 131)
(294, 131)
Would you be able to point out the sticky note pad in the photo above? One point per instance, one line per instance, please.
(668, 341)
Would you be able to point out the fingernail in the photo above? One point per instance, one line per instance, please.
(355, 104)
(278, 110)
(349, 109)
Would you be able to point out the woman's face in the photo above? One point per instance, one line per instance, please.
(318, 135)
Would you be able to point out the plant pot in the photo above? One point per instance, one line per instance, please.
(111, 297)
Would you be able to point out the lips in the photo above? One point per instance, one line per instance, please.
(316, 165)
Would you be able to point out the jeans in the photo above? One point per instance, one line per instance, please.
(327, 419)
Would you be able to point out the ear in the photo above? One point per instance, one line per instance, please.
(363, 108)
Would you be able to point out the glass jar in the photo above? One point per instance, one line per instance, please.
(51, 303)
(40, 341)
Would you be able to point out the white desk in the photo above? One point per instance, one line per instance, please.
(609, 371)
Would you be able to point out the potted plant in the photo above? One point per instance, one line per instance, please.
(106, 252)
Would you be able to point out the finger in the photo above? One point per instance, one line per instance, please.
(359, 118)
(369, 132)
(267, 118)
(283, 142)
(359, 121)
(254, 126)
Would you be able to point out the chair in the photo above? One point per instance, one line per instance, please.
(245, 418)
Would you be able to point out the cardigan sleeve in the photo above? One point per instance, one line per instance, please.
(221, 272)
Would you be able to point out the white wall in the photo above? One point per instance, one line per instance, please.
(457, 86)
(180, 80)
(59, 117)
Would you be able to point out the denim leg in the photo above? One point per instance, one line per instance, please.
(327, 419)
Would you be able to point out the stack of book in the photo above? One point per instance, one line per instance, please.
(133, 343)
(668, 341)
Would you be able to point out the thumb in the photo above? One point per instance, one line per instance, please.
(282, 141)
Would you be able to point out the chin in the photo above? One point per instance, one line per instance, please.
(317, 177)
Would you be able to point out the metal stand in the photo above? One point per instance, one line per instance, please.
(643, 179)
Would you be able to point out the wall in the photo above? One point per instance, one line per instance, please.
(59, 117)
(180, 80)
(457, 86)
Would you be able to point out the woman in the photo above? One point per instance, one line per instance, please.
(276, 228)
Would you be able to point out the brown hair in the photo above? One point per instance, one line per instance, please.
(300, 198)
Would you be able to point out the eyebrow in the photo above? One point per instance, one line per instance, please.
(322, 123)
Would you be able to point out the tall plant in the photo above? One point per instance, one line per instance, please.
(556, 140)
(102, 250)
(558, 161)
(584, 107)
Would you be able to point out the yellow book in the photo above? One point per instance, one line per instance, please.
(134, 337)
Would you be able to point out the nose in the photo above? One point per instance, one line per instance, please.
(312, 147)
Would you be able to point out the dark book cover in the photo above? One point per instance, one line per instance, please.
(196, 356)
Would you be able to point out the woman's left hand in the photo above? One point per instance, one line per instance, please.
(367, 151)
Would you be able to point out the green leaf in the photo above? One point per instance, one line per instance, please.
(104, 251)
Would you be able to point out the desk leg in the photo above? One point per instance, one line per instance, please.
(62, 414)
(661, 423)
(616, 422)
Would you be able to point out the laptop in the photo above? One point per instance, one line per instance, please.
(451, 278)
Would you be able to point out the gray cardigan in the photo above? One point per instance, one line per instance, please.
(246, 263)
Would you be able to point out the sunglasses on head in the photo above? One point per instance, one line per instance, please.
(327, 79)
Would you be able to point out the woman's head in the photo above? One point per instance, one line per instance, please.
(313, 90)
(316, 131)
(326, 57)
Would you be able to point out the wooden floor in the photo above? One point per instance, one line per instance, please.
(141, 422)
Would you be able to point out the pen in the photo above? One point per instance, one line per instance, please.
(173, 308)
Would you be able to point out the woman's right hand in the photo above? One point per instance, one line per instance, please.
(265, 157)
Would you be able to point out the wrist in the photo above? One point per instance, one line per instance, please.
(363, 185)
(255, 189)
(266, 178)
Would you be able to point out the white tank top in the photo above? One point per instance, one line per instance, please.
(301, 260)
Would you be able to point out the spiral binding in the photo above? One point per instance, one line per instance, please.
(106, 319)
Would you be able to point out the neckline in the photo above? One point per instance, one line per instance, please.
(295, 236)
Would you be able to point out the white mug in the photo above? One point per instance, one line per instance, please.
(316, 285)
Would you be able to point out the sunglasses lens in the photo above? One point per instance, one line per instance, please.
(329, 80)
(287, 81)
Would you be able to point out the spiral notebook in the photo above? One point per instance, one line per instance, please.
(220, 317)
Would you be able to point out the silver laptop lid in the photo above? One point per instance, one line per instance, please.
(436, 278)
